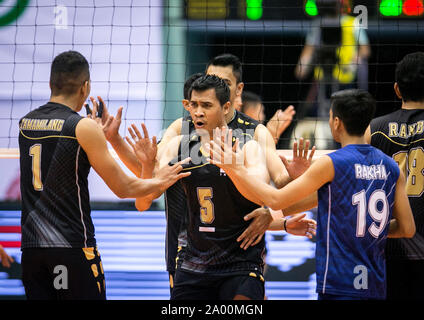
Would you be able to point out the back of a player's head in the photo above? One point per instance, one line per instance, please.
(189, 81)
(69, 71)
(207, 82)
(410, 77)
(225, 60)
(355, 108)
(249, 100)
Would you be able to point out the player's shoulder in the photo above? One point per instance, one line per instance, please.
(86, 127)
(382, 121)
(34, 113)
(243, 121)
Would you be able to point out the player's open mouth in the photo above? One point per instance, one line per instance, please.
(199, 124)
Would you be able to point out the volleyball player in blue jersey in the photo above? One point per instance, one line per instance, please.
(361, 200)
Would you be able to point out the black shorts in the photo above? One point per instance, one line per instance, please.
(193, 286)
(63, 274)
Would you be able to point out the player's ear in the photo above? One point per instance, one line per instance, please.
(226, 107)
(186, 103)
(397, 91)
(239, 89)
(85, 88)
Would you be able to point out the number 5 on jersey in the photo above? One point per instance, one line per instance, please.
(207, 211)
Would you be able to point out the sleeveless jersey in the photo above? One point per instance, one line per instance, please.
(216, 210)
(54, 187)
(176, 213)
(400, 135)
(354, 213)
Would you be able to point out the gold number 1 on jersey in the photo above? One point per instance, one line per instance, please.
(35, 153)
(207, 213)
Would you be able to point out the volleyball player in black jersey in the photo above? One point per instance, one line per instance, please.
(214, 265)
(400, 135)
(176, 206)
(57, 146)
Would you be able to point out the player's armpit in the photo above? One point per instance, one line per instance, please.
(403, 224)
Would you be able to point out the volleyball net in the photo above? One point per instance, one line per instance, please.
(140, 53)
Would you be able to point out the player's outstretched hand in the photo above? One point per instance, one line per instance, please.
(280, 121)
(254, 232)
(168, 175)
(144, 149)
(109, 124)
(222, 153)
(5, 259)
(301, 161)
(298, 225)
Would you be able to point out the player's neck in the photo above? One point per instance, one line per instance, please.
(66, 101)
(410, 105)
(346, 140)
(230, 115)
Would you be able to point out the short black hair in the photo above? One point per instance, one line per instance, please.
(248, 99)
(355, 107)
(189, 81)
(410, 77)
(68, 72)
(228, 59)
(207, 82)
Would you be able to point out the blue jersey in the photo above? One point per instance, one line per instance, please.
(354, 213)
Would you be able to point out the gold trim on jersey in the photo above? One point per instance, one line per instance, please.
(89, 253)
(199, 166)
(46, 137)
(395, 142)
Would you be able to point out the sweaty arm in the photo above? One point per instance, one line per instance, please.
(164, 156)
(403, 224)
(255, 169)
(91, 138)
(320, 172)
(126, 154)
(276, 168)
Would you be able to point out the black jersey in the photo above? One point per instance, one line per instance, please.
(216, 210)
(175, 199)
(54, 186)
(176, 212)
(401, 136)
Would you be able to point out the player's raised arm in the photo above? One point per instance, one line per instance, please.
(110, 125)
(91, 139)
(321, 172)
(159, 164)
(403, 224)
